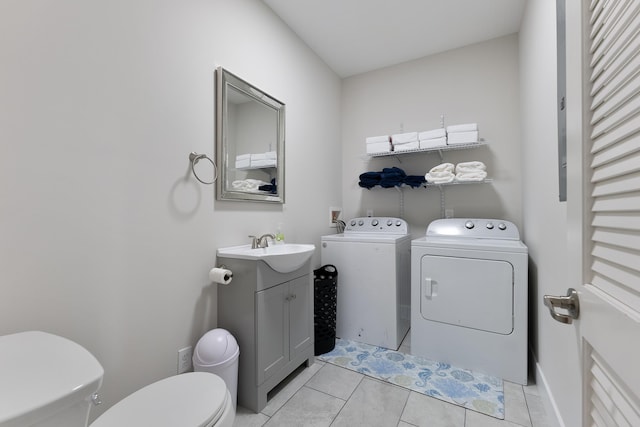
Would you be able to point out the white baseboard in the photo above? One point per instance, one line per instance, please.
(550, 406)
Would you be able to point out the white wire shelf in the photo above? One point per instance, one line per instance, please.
(427, 185)
(431, 150)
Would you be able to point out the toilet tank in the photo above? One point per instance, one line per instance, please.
(46, 381)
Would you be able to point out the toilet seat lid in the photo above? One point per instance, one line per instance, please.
(194, 399)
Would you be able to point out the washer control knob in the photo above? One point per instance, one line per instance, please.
(374, 222)
(389, 222)
(360, 222)
(398, 223)
(502, 226)
(490, 225)
(469, 225)
(353, 222)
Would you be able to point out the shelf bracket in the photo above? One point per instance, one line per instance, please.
(401, 201)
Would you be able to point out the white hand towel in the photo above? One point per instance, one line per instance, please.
(432, 134)
(440, 174)
(248, 184)
(258, 156)
(263, 163)
(414, 145)
(271, 155)
(433, 143)
(243, 163)
(443, 167)
(466, 127)
(475, 166)
(462, 137)
(400, 138)
(471, 176)
(378, 147)
(376, 139)
(444, 178)
(243, 157)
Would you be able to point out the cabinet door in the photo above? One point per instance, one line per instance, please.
(272, 320)
(300, 315)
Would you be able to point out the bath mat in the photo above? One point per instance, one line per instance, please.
(478, 392)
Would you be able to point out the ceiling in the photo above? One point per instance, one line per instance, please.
(356, 36)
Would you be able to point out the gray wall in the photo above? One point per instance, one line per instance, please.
(478, 83)
(105, 237)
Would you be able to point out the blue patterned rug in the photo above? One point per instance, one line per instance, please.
(478, 392)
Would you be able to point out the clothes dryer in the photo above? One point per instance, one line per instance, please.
(469, 294)
(373, 259)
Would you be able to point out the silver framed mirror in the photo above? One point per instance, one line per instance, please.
(250, 136)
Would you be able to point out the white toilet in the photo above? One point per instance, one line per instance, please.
(50, 381)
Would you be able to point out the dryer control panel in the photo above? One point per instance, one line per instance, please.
(375, 224)
(474, 229)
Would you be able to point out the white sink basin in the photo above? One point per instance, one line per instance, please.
(283, 258)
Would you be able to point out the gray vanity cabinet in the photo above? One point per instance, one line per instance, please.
(284, 323)
(271, 316)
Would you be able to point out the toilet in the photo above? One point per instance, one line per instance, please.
(50, 381)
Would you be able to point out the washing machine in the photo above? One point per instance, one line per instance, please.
(469, 294)
(373, 259)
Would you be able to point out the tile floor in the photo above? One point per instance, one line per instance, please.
(327, 395)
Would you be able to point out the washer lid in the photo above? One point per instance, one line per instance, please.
(40, 373)
(193, 399)
(367, 238)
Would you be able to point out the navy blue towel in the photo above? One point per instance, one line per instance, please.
(271, 188)
(388, 178)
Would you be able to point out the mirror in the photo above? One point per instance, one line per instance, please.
(249, 141)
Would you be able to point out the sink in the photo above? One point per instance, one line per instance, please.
(283, 258)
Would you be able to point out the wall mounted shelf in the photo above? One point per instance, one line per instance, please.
(431, 150)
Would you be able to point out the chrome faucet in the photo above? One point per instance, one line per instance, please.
(263, 242)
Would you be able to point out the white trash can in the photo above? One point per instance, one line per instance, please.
(217, 352)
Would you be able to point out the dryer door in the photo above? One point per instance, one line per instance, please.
(467, 292)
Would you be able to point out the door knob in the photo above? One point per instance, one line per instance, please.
(569, 303)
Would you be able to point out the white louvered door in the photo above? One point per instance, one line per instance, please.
(610, 299)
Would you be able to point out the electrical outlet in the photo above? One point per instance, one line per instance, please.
(334, 215)
(185, 362)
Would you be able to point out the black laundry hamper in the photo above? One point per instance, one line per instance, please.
(324, 308)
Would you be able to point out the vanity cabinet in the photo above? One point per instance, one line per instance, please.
(271, 316)
(284, 325)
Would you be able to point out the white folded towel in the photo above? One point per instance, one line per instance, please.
(433, 143)
(259, 156)
(243, 157)
(271, 155)
(378, 147)
(471, 176)
(431, 134)
(243, 163)
(376, 139)
(466, 127)
(248, 184)
(263, 163)
(440, 174)
(400, 138)
(413, 145)
(462, 137)
(443, 167)
(474, 166)
(443, 178)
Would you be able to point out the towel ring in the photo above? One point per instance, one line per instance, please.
(195, 158)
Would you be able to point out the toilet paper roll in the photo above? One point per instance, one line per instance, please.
(220, 275)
